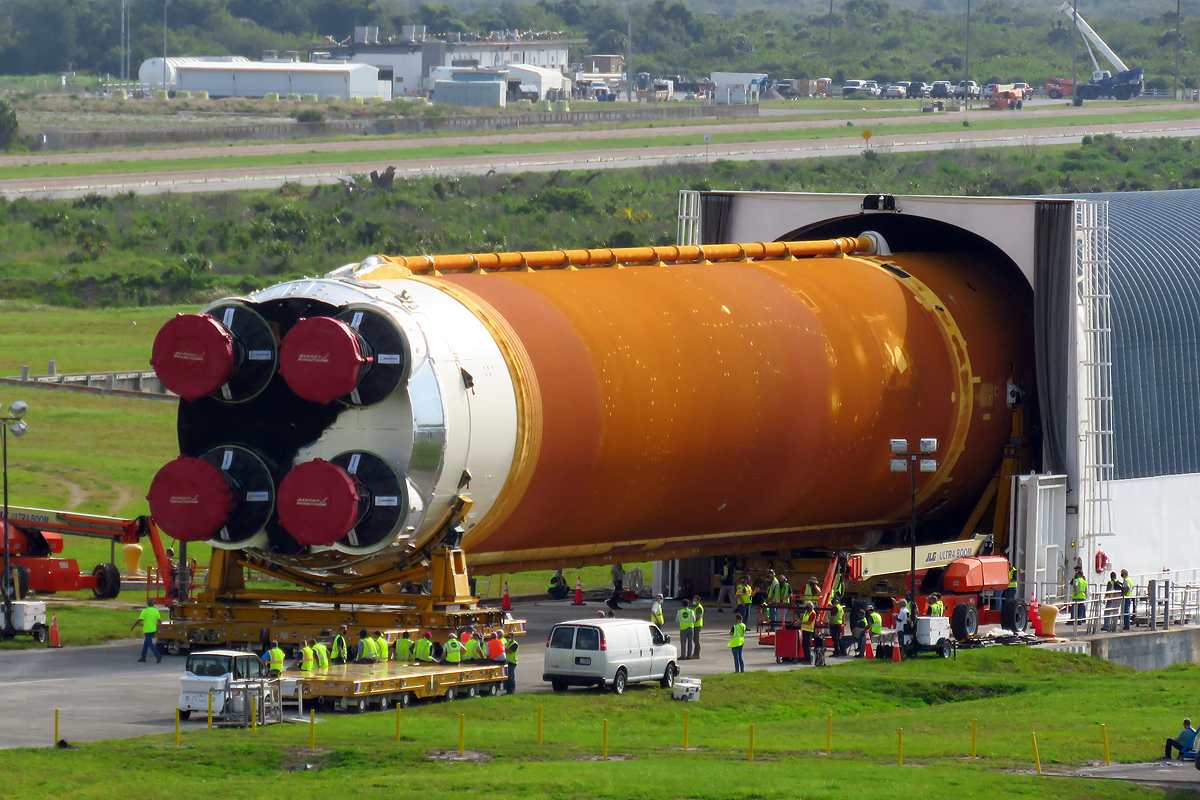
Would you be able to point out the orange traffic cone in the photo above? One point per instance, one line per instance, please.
(1035, 613)
(895, 654)
(54, 632)
(870, 647)
(506, 604)
(578, 591)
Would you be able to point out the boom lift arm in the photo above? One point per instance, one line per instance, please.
(1092, 39)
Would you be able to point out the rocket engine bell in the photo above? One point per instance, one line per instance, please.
(592, 403)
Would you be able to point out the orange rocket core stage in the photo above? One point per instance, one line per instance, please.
(676, 404)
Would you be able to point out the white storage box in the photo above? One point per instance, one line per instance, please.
(686, 689)
(27, 613)
(931, 630)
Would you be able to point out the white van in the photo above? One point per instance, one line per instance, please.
(608, 652)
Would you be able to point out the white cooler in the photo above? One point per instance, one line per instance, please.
(686, 689)
(27, 613)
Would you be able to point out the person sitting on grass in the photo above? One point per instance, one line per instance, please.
(1185, 741)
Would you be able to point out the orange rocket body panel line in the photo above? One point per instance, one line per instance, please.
(689, 401)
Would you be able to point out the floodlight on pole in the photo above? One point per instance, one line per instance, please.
(13, 423)
(911, 462)
(166, 5)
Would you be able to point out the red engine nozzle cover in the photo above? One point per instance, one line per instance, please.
(321, 359)
(318, 503)
(190, 499)
(193, 355)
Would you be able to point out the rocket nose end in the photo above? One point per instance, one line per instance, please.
(193, 355)
(190, 499)
(319, 503)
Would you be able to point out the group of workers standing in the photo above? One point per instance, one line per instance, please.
(1118, 600)
(462, 646)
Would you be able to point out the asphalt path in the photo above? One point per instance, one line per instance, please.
(103, 693)
(241, 178)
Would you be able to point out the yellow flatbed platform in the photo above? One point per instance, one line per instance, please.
(357, 687)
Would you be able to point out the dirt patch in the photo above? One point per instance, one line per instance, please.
(301, 760)
(454, 757)
(610, 758)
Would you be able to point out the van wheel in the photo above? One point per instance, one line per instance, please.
(184, 716)
(619, 681)
(668, 678)
(558, 686)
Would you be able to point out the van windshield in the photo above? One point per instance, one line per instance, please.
(588, 639)
(207, 665)
(562, 636)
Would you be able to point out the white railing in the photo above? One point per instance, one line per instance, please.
(688, 231)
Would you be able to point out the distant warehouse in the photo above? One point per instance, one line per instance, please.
(260, 78)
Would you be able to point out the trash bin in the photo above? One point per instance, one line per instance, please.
(1048, 615)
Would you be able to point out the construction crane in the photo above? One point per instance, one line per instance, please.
(1126, 83)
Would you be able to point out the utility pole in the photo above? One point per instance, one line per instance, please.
(967, 79)
(1178, 34)
(166, 4)
(629, 53)
(1074, 34)
(829, 50)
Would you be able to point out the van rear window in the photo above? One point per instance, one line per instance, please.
(562, 636)
(588, 639)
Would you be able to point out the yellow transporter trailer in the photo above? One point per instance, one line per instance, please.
(357, 687)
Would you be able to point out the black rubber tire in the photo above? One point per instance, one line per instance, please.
(492, 689)
(108, 581)
(404, 700)
(620, 680)
(944, 647)
(1054, 94)
(451, 695)
(472, 691)
(558, 686)
(964, 622)
(1014, 615)
(1123, 92)
(40, 633)
(184, 716)
(385, 702)
(668, 678)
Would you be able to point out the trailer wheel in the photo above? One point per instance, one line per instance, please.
(1014, 615)
(108, 581)
(473, 691)
(384, 702)
(619, 681)
(943, 648)
(451, 694)
(404, 699)
(668, 678)
(356, 706)
(40, 633)
(493, 689)
(184, 716)
(964, 622)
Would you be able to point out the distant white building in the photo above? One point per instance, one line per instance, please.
(737, 88)
(257, 78)
(154, 76)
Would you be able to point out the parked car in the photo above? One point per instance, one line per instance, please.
(850, 87)
(219, 672)
(941, 89)
(872, 88)
(1024, 87)
(896, 90)
(967, 90)
(917, 89)
(608, 652)
(988, 90)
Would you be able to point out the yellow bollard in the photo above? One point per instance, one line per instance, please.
(751, 742)
(686, 712)
(397, 722)
(462, 734)
(1104, 735)
(829, 734)
(210, 709)
(312, 730)
(605, 740)
(177, 726)
(974, 736)
(253, 713)
(56, 727)
(900, 752)
(539, 724)
(1037, 760)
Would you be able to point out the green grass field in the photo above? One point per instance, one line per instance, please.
(318, 157)
(1010, 692)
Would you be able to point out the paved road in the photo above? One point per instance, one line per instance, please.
(105, 694)
(237, 179)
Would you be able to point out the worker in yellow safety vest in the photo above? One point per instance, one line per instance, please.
(685, 619)
(1079, 596)
(305, 661)
(383, 648)
(936, 607)
(774, 596)
(745, 596)
(274, 658)
(452, 650)
(837, 627)
(320, 654)
(875, 628)
(697, 625)
(808, 627)
(812, 592)
(366, 648)
(656, 611)
(423, 649)
(737, 638)
(1010, 591)
(510, 653)
(341, 652)
(404, 647)
(1127, 598)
